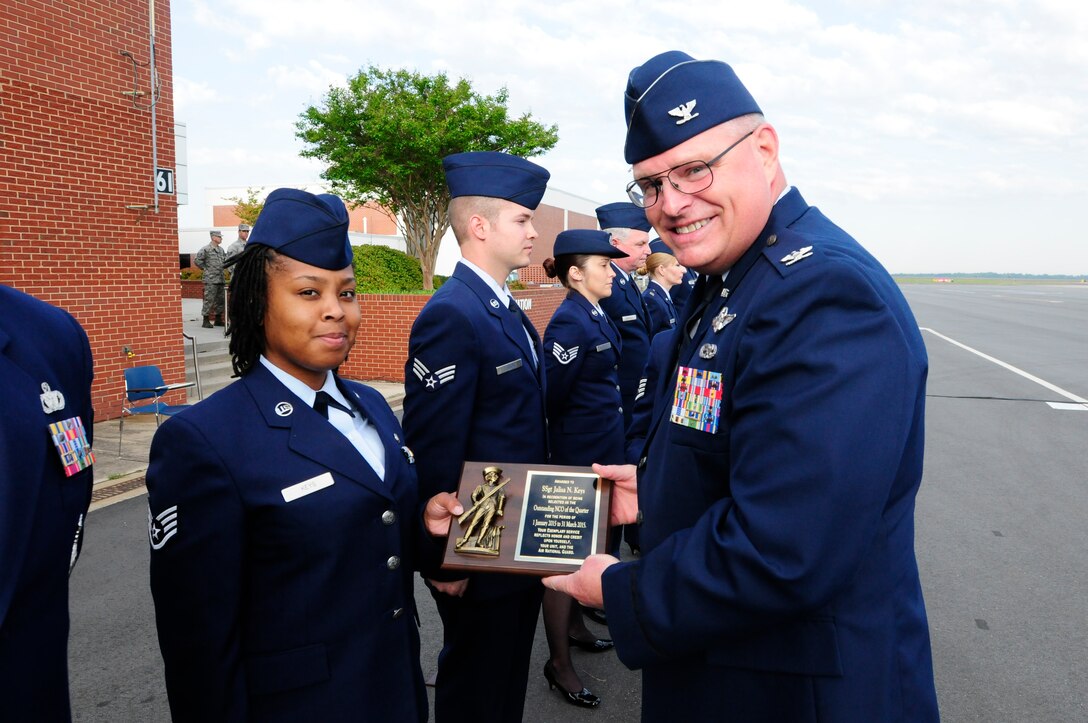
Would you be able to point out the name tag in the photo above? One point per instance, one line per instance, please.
(508, 366)
(629, 317)
(306, 487)
(606, 345)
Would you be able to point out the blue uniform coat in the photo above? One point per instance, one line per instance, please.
(471, 393)
(628, 313)
(269, 609)
(582, 354)
(41, 509)
(660, 309)
(778, 579)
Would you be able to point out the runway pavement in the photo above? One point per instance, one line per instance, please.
(1001, 534)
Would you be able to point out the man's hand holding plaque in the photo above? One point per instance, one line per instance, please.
(529, 519)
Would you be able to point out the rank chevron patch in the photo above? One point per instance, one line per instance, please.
(433, 380)
(565, 356)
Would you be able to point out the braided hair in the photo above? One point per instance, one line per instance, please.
(248, 305)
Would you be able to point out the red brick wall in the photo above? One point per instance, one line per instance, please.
(382, 345)
(74, 153)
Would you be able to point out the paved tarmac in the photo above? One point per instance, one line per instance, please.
(1001, 537)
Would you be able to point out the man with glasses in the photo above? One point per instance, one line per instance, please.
(776, 488)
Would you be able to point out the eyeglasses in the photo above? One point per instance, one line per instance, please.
(689, 178)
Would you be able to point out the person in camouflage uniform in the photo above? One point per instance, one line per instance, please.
(210, 260)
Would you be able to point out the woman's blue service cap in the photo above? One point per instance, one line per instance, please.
(585, 241)
(309, 228)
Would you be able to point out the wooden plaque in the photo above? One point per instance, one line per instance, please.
(532, 519)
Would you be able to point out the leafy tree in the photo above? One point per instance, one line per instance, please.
(248, 207)
(383, 138)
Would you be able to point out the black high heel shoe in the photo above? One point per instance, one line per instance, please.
(582, 698)
(600, 645)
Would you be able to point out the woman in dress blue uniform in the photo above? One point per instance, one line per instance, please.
(284, 514)
(582, 354)
(664, 272)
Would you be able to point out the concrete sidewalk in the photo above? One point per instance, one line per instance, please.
(118, 474)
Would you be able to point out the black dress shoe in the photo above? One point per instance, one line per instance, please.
(596, 615)
(582, 698)
(599, 645)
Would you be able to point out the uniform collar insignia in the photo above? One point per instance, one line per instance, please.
(708, 351)
(494, 303)
(794, 256)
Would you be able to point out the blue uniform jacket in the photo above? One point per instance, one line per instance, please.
(41, 509)
(628, 313)
(778, 569)
(660, 308)
(471, 393)
(582, 354)
(281, 565)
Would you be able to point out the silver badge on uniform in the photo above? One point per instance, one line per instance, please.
(408, 454)
(722, 320)
(494, 303)
(794, 256)
(623, 282)
(162, 526)
(284, 409)
(708, 351)
(52, 401)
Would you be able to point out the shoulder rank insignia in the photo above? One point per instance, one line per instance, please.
(161, 527)
(565, 356)
(794, 256)
(433, 380)
(722, 320)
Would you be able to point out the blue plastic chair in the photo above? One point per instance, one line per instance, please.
(145, 384)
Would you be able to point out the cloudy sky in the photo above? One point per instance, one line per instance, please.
(946, 136)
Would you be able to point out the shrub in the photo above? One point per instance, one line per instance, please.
(380, 269)
(194, 273)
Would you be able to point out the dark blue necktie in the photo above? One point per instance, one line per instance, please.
(324, 400)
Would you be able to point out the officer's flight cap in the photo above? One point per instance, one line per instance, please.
(673, 97)
(586, 241)
(496, 175)
(309, 228)
(622, 214)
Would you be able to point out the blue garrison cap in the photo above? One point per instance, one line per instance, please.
(309, 228)
(657, 246)
(673, 97)
(585, 241)
(496, 175)
(623, 214)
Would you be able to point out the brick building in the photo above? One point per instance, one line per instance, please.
(78, 223)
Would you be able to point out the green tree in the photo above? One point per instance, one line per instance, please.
(248, 207)
(383, 138)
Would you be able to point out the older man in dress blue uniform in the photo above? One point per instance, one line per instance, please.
(474, 390)
(46, 425)
(778, 579)
(629, 229)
